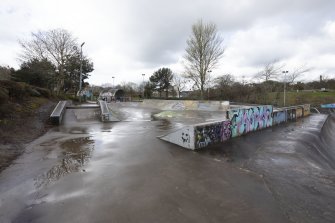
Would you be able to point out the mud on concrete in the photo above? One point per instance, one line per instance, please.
(21, 128)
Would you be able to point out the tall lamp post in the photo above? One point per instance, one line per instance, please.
(113, 81)
(209, 73)
(143, 83)
(285, 72)
(81, 70)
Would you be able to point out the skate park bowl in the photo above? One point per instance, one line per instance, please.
(86, 170)
(204, 123)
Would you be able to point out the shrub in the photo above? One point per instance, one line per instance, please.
(3, 95)
(43, 91)
(16, 90)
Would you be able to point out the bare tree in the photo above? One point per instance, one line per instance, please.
(130, 88)
(296, 73)
(271, 71)
(179, 83)
(54, 45)
(203, 52)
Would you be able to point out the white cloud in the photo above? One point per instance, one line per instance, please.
(126, 38)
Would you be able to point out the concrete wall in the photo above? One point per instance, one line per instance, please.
(238, 122)
(211, 133)
(278, 117)
(57, 114)
(184, 137)
(299, 112)
(307, 109)
(291, 114)
(249, 119)
(186, 105)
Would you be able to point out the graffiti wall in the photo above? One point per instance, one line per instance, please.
(279, 117)
(291, 114)
(186, 105)
(183, 137)
(250, 119)
(307, 110)
(212, 133)
(240, 121)
(299, 112)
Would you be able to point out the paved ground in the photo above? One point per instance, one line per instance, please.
(86, 171)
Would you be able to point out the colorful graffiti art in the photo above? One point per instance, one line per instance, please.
(328, 105)
(206, 135)
(299, 112)
(279, 117)
(291, 114)
(307, 110)
(250, 119)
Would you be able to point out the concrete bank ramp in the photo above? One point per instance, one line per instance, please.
(200, 135)
(186, 105)
(106, 114)
(82, 112)
(328, 139)
(237, 122)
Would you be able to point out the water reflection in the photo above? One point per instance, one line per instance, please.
(164, 124)
(75, 153)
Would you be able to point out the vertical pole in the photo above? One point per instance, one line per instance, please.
(143, 84)
(208, 85)
(285, 72)
(81, 70)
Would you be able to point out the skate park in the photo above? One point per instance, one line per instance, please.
(122, 171)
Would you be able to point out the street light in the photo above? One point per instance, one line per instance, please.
(285, 72)
(143, 83)
(209, 72)
(113, 82)
(81, 69)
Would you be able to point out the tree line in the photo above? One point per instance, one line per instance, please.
(51, 59)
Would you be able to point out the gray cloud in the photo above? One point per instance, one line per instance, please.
(134, 36)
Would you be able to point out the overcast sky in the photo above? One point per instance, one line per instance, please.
(127, 38)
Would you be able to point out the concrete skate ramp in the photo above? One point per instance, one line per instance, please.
(73, 116)
(200, 135)
(237, 122)
(186, 105)
(121, 173)
(328, 140)
(57, 114)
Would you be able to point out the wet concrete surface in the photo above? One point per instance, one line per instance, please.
(88, 171)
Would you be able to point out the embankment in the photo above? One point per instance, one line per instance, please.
(26, 121)
(328, 139)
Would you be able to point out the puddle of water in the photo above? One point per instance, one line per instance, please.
(74, 154)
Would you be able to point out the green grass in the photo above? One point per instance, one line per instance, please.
(294, 98)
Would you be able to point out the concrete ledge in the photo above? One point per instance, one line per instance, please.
(238, 122)
(186, 105)
(106, 115)
(56, 116)
(82, 106)
(200, 135)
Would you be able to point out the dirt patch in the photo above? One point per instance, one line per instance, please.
(26, 122)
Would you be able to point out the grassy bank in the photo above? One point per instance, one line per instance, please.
(24, 114)
(315, 98)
